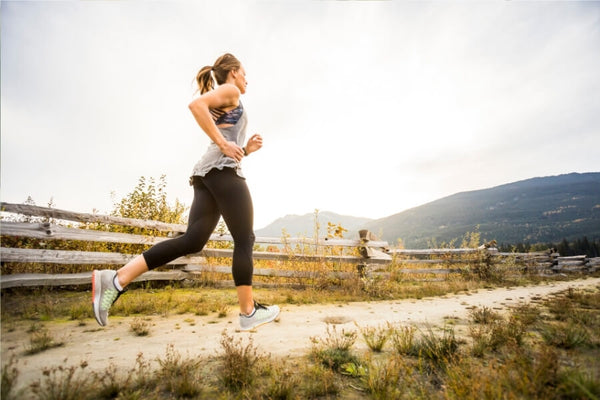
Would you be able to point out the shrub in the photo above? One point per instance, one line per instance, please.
(239, 362)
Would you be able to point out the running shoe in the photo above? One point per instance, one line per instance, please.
(261, 315)
(104, 294)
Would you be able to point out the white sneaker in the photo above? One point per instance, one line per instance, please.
(261, 315)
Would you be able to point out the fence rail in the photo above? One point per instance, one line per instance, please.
(54, 224)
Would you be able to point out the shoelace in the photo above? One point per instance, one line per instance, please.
(257, 305)
(110, 295)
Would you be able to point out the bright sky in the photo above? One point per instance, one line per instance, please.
(367, 108)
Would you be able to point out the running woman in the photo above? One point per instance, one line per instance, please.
(219, 190)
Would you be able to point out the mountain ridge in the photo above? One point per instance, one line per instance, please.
(535, 210)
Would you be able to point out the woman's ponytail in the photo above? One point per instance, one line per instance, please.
(227, 62)
(205, 80)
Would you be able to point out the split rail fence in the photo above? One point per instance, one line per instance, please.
(33, 222)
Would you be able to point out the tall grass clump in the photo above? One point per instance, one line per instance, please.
(282, 384)
(403, 339)
(140, 327)
(179, 376)
(483, 315)
(566, 335)
(319, 381)
(438, 350)
(382, 378)
(10, 374)
(239, 363)
(375, 337)
(334, 350)
(496, 334)
(526, 314)
(520, 375)
(111, 383)
(41, 339)
(428, 346)
(63, 383)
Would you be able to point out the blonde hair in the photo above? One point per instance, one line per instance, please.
(220, 69)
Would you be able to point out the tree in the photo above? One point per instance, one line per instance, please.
(149, 201)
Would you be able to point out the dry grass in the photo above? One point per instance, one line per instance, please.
(546, 357)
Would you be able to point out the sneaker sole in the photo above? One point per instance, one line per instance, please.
(261, 323)
(96, 291)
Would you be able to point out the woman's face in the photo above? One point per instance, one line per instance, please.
(240, 79)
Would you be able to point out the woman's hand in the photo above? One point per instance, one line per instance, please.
(232, 150)
(254, 143)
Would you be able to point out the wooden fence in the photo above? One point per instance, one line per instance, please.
(43, 223)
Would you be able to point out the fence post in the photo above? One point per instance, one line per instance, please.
(367, 252)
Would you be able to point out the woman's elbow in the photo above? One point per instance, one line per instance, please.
(194, 106)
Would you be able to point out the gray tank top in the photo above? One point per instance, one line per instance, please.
(213, 158)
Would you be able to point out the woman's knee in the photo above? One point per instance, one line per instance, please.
(245, 240)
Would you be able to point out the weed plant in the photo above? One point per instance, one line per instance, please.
(334, 350)
(566, 335)
(240, 363)
(140, 327)
(383, 377)
(41, 339)
(179, 376)
(437, 350)
(63, 383)
(376, 337)
(483, 315)
(403, 338)
(319, 381)
(10, 374)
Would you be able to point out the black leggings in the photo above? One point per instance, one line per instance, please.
(219, 192)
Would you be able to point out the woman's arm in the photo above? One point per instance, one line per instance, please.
(224, 96)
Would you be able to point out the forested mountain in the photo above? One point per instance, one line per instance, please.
(537, 210)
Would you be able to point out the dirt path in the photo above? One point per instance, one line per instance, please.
(289, 337)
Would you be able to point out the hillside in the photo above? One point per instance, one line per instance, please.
(304, 225)
(538, 210)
